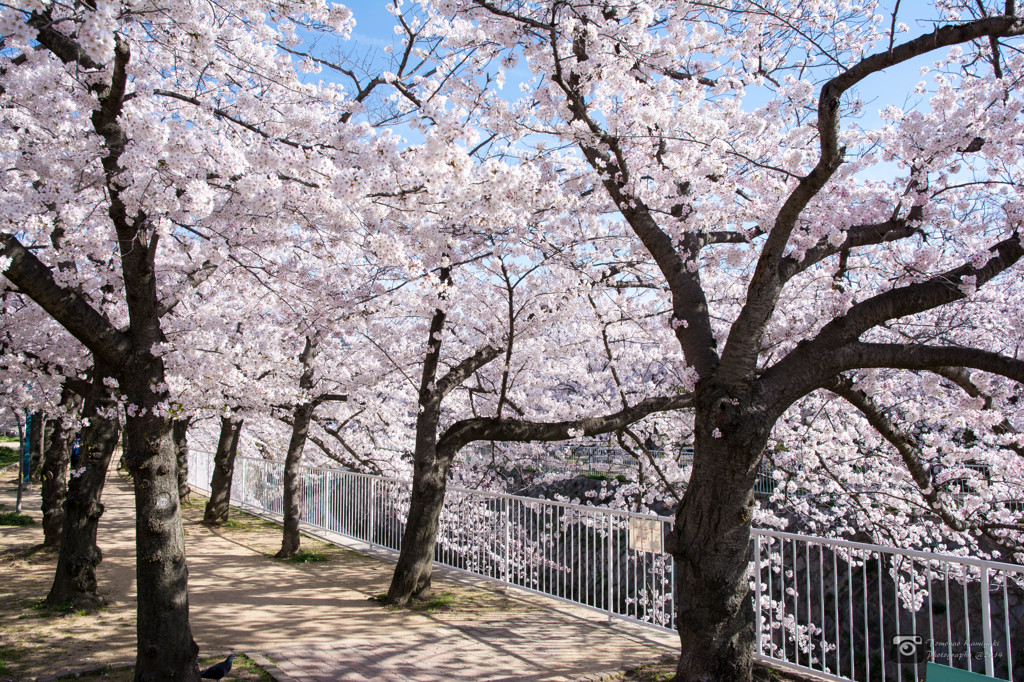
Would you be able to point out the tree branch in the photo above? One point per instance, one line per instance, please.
(466, 431)
(910, 453)
(916, 298)
(65, 305)
(456, 375)
(739, 357)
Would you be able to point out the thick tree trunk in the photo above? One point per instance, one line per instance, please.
(55, 475)
(75, 579)
(218, 508)
(416, 562)
(431, 462)
(22, 437)
(166, 649)
(711, 544)
(35, 445)
(290, 538)
(301, 416)
(179, 431)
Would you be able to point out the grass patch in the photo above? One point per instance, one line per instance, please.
(65, 609)
(440, 602)
(237, 521)
(243, 668)
(305, 556)
(8, 455)
(8, 654)
(246, 668)
(11, 518)
(444, 601)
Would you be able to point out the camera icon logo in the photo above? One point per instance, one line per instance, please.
(909, 648)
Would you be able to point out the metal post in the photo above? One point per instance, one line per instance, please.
(508, 550)
(608, 567)
(986, 622)
(757, 587)
(370, 500)
(241, 481)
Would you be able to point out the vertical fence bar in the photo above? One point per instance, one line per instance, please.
(810, 618)
(1006, 622)
(931, 606)
(967, 628)
(864, 585)
(949, 630)
(757, 588)
(371, 521)
(821, 598)
(849, 601)
(986, 622)
(508, 550)
(608, 566)
(881, 618)
(241, 480)
(796, 605)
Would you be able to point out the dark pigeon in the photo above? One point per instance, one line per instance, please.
(215, 672)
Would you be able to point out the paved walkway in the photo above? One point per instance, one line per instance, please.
(315, 621)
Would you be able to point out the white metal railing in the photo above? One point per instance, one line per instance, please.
(846, 610)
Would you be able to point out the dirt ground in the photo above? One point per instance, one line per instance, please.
(38, 643)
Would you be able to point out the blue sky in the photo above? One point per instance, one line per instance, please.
(374, 24)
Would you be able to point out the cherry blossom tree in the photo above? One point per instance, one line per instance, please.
(504, 275)
(127, 133)
(40, 355)
(803, 241)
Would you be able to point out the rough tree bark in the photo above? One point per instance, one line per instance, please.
(35, 447)
(290, 536)
(179, 431)
(75, 579)
(21, 464)
(165, 645)
(218, 508)
(55, 471)
(413, 571)
(711, 540)
(301, 416)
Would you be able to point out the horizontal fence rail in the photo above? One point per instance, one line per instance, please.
(845, 610)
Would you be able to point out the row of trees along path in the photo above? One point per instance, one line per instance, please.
(689, 219)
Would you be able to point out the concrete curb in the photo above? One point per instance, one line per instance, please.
(270, 667)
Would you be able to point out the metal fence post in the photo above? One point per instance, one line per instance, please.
(508, 550)
(370, 501)
(757, 588)
(241, 481)
(608, 567)
(986, 623)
